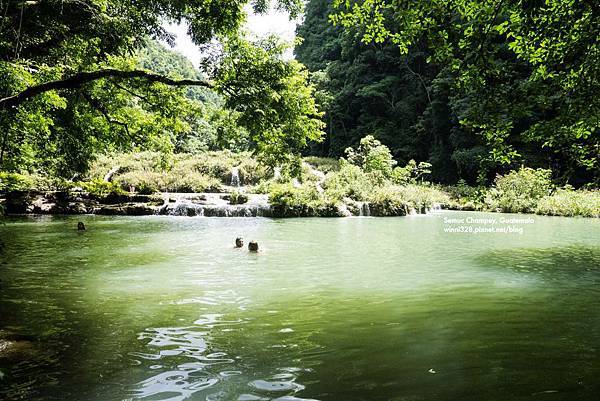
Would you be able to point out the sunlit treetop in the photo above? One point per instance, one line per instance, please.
(70, 68)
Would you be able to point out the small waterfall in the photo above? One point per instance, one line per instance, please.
(187, 209)
(277, 173)
(235, 177)
(213, 205)
(364, 209)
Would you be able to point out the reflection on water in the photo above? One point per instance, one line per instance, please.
(568, 264)
(164, 308)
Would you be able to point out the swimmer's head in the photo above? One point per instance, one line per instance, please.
(253, 246)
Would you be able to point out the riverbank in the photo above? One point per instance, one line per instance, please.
(178, 204)
(238, 184)
(241, 204)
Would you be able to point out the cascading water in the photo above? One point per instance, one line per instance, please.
(235, 177)
(364, 209)
(215, 205)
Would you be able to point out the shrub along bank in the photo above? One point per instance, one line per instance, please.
(367, 181)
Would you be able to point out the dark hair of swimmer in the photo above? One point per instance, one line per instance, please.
(80, 226)
(239, 242)
(253, 246)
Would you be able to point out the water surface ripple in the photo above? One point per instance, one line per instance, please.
(164, 308)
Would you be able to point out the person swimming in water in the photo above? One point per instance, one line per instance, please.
(253, 246)
(239, 242)
(80, 226)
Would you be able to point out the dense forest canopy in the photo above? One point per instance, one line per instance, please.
(74, 81)
(475, 87)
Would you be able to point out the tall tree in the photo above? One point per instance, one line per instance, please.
(527, 71)
(375, 90)
(69, 75)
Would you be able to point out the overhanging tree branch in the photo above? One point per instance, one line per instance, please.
(82, 78)
(98, 106)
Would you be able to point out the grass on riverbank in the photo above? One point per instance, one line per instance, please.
(346, 189)
(527, 191)
(150, 172)
(567, 202)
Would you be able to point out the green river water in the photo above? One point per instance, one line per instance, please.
(164, 308)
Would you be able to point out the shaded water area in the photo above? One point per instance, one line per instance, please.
(163, 308)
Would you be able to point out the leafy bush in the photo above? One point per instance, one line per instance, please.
(290, 196)
(147, 166)
(519, 190)
(349, 182)
(410, 173)
(473, 198)
(144, 181)
(567, 202)
(324, 164)
(101, 188)
(148, 182)
(287, 200)
(395, 200)
(251, 171)
(372, 155)
(30, 182)
(263, 187)
(16, 182)
(238, 198)
(190, 182)
(388, 201)
(127, 162)
(214, 164)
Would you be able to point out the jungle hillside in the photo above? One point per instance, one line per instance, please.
(394, 106)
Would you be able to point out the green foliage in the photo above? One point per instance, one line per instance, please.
(101, 188)
(29, 182)
(398, 98)
(150, 172)
(466, 196)
(523, 75)
(148, 182)
(251, 170)
(16, 182)
(372, 156)
(349, 182)
(272, 96)
(287, 195)
(410, 173)
(519, 190)
(323, 164)
(59, 132)
(394, 200)
(567, 202)
(142, 181)
(388, 201)
(237, 198)
(304, 201)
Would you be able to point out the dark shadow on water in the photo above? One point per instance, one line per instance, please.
(571, 264)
